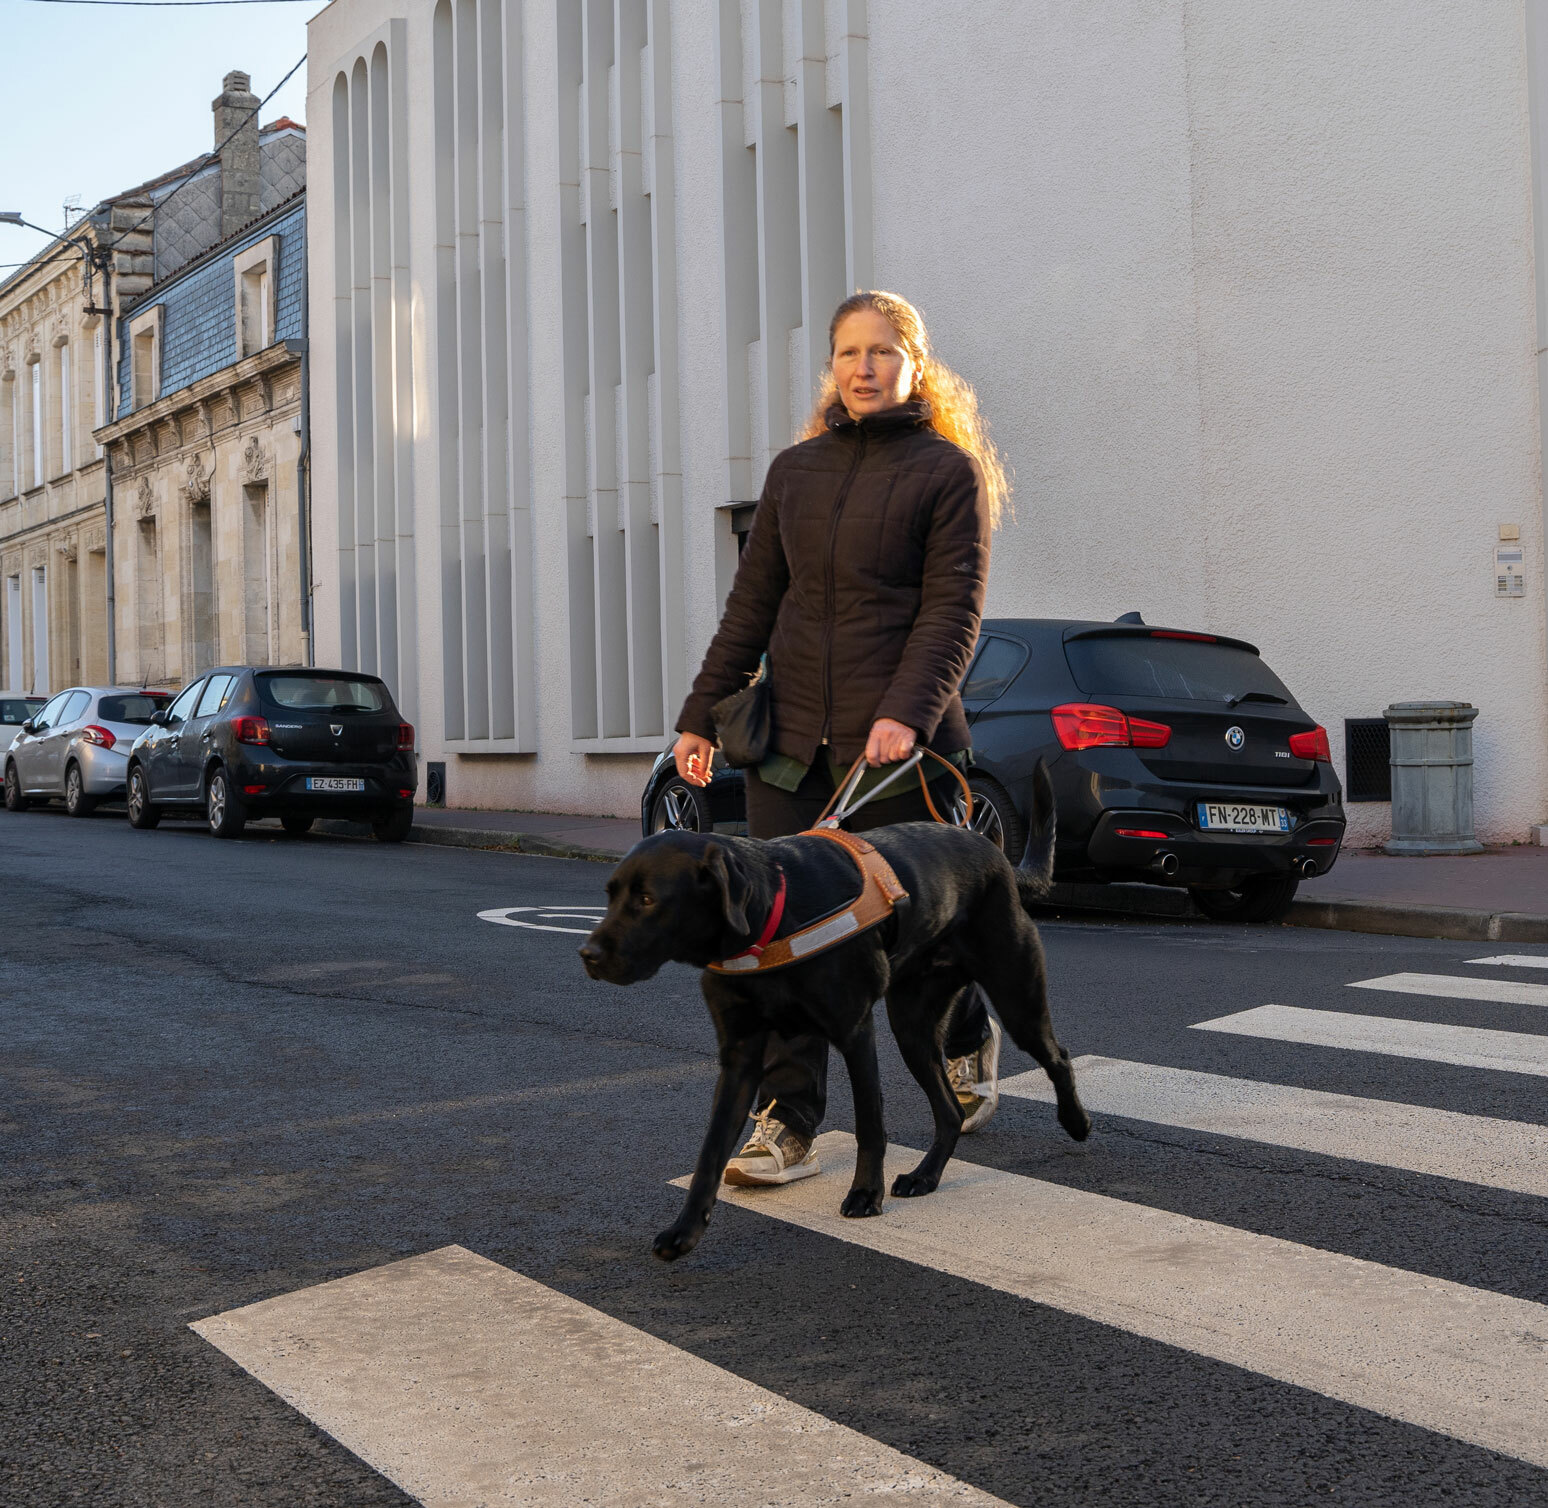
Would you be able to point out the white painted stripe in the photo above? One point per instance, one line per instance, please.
(1516, 960)
(1442, 1143)
(468, 1384)
(1463, 1046)
(1459, 1360)
(1454, 987)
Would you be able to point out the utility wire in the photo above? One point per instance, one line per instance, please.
(106, 246)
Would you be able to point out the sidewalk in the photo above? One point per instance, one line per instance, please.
(1497, 896)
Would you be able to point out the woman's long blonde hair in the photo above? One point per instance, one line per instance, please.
(953, 403)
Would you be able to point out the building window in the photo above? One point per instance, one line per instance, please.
(254, 269)
(13, 633)
(39, 631)
(37, 424)
(9, 459)
(145, 353)
(66, 410)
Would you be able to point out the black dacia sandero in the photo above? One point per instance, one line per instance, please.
(290, 742)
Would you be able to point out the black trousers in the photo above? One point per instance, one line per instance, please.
(795, 1069)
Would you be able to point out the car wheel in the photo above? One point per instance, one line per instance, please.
(142, 813)
(14, 800)
(395, 827)
(222, 808)
(1259, 898)
(296, 826)
(994, 815)
(77, 802)
(680, 808)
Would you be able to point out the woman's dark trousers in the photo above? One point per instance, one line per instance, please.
(795, 1069)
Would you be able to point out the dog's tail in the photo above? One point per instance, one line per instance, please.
(1034, 874)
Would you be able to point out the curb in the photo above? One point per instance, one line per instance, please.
(1157, 902)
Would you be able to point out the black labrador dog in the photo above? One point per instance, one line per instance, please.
(695, 899)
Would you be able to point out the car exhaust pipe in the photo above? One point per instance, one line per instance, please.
(1167, 863)
(1306, 867)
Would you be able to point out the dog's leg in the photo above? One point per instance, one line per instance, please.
(916, 1013)
(865, 1193)
(741, 1066)
(1012, 972)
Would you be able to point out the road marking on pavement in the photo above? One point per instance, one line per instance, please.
(1516, 960)
(1461, 1046)
(525, 916)
(1477, 1149)
(1454, 987)
(1462, 1361)
(468, 1384)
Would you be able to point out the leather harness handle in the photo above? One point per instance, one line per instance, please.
(924, 786)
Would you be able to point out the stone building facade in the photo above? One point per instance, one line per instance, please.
(58, 385)
(205, 451)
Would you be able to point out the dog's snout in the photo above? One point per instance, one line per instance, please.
(590, 951)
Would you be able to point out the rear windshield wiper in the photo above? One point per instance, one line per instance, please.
(1259, 696)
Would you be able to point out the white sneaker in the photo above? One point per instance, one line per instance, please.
(975, 1080)
(773, 1154)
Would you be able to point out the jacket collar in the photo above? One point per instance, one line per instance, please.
(911, 415)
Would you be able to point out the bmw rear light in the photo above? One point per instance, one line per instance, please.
(1313, 745)
(95, 733)
(1141, 832)
(405, 735)
(1085, 725)
(251, 730)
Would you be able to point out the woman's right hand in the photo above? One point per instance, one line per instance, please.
(693, 756)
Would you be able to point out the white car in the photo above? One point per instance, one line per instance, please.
(77, 747)
(15, 708)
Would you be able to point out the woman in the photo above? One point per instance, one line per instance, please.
(863, 580)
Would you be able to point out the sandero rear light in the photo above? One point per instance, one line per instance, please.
(95, 733)
(405, 735)
(1085, 725)
(1312, 745)
(250, 730)
(1142, 832)
(253, 790)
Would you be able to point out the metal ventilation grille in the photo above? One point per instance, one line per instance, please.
(1367, 759)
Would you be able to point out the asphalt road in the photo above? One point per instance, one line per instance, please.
(230, 1071)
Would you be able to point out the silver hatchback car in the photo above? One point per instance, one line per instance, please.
(76, 749)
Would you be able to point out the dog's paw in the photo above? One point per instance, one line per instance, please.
(1077, 1121)
(858, 1203)
(912, 1185)
(677, 1241)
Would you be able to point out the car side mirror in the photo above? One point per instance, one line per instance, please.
(29, 726)
(160, 719)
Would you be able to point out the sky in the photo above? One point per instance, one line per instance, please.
(102, 97)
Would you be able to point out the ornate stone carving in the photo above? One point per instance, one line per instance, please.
(145, 498)
(33, 354)
(255, 462)
(197, 488)
(95, 539)
(37, 557)
(67, 545)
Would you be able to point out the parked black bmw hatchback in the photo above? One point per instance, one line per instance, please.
(1178, 758)
(241, 743)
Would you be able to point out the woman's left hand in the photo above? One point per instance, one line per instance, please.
(889, 742)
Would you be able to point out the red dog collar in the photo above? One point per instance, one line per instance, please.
(770, 927)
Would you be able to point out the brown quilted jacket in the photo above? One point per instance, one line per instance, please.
(863, 578)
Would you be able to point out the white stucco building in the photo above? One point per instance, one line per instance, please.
(1249, 292)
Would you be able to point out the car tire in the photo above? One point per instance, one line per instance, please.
(394, 827)
(223, 810)
(143, 813)
(681, 808)
(1259, 898)
(994, 815)
(297, 826)
(77, 802)
(14, 800)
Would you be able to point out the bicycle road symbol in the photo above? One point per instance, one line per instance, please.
(545, 918)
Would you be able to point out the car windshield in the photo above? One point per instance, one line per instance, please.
(325, 693)
(17, 709)
(135, 709)
(1189, 670)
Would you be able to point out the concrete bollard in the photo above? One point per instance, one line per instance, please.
(1432, 778)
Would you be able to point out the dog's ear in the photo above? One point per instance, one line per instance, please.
(718, 870)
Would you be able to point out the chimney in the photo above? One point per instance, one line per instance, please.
(236, 110)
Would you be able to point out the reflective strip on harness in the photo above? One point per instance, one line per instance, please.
(879, 892)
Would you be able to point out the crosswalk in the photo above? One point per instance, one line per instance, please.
(467, 1383)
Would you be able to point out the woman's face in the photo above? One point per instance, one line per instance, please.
(872, 370)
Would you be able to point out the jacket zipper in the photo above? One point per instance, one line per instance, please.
(831, 603)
